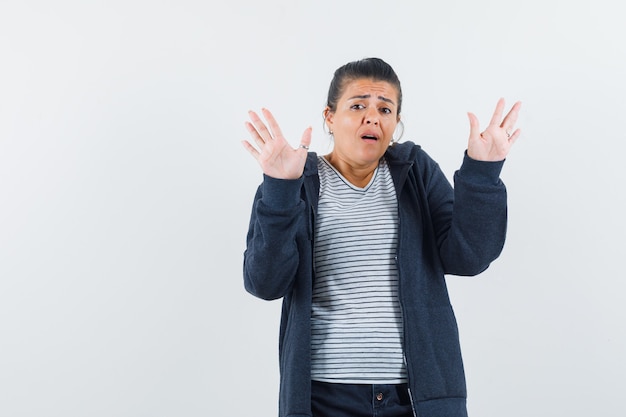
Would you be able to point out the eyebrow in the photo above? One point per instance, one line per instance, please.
(368, 96)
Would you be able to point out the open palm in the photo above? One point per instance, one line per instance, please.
(274, 154)
(495, 142)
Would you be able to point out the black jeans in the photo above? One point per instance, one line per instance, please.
(360, 400)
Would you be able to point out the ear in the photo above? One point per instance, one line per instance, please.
(328, 117)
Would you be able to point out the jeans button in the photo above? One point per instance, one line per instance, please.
(379, 396)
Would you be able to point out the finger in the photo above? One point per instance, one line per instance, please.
(251, 149)
(514, 136)
(497, 114)
(305, 141)
(474, 125)
(511, 118)
(273, 124)
(255, 134)
(260, 127)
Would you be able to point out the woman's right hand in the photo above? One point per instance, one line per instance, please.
(275, 156)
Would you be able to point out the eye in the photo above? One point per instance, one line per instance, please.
(386, 110)
(357, 107)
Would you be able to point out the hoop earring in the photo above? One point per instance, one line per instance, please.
(400, 127)
(326, 129)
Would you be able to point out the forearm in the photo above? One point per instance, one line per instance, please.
(271, 256)
(477, 227)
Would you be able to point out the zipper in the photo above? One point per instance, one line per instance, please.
(408, 388)
(403, 175)
(406, 362)
(401, 303)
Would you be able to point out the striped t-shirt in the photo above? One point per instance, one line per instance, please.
(356, 318)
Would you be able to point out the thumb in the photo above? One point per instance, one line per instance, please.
(306, 137)
(474, 125)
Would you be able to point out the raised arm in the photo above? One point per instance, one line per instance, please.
(272, 253)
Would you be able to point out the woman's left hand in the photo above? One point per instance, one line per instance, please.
(495, 142)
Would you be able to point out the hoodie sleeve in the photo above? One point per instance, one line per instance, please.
(469, 221)
(271, 257)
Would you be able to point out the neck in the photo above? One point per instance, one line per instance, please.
(358, 175)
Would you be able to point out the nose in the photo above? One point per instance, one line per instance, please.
(371, 117)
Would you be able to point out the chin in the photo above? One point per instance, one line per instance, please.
(373, 154)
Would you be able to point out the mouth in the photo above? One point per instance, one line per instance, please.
(369, 136)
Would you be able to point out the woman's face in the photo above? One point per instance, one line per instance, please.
(364, 121)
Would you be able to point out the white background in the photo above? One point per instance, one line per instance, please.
(125, 193)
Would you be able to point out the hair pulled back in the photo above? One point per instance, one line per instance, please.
(370, 68)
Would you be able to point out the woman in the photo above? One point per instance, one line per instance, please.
(357, 244)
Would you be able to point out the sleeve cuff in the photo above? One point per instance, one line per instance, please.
(281, 193)
(480, 171)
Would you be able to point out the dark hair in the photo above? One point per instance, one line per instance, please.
(372, 68)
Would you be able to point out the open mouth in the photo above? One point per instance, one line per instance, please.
(369, 137)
